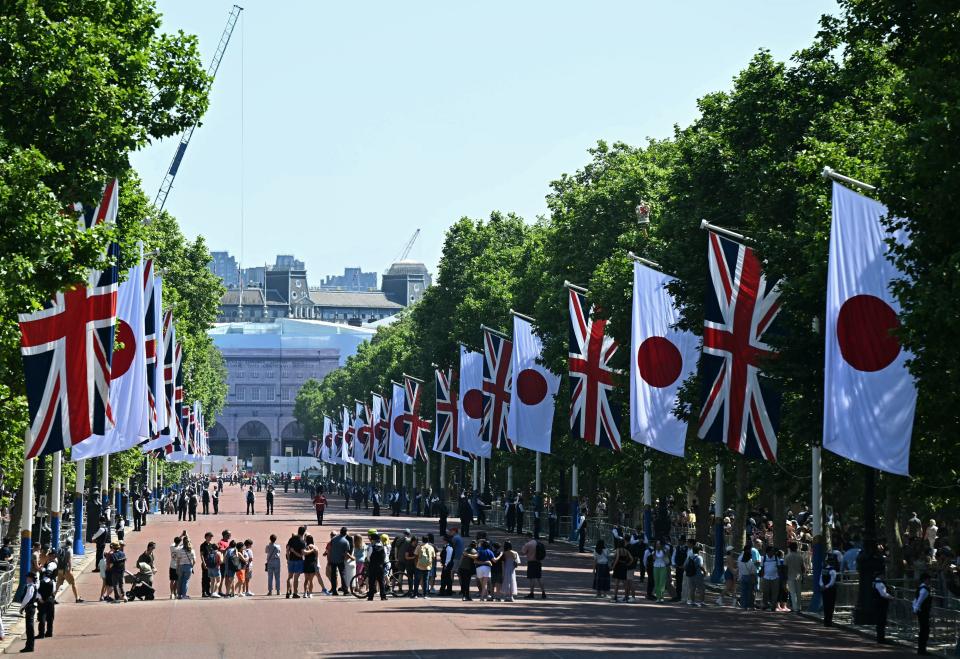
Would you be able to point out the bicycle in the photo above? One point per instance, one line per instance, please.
(359, 585)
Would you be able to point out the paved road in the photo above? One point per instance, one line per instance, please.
(569, 624)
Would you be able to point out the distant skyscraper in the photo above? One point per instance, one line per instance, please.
(352, 279)
(225, 266)
(288, 262)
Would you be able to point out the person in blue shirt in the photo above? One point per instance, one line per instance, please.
(484, 565)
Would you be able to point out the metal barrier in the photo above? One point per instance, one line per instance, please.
(901, 621)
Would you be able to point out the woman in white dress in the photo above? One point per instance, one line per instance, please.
(511, 560)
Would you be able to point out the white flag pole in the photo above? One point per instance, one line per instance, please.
(56, 505)
(78, 549)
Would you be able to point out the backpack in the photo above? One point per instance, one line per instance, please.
(690, 567)
(62, 563)
(235, 560)
(541, 551)
(212, 559)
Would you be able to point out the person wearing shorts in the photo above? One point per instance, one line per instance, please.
(64, 573)
(295, 549)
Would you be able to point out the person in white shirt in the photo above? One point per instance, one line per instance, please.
(747, 570)
(828, 590)
(883, 599)
(174, 565)
(28, 609)
(770, 579)
(921, 607)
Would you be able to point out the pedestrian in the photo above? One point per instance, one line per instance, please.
(649, 556)
(484, 565)
(139, 511)
(425, 556)
(581, 531)
(294, 553)
(921, 608)
(882, 597)
(410, 564)
(694, 573)
(185, 562)
(621, 560)
(64, 568)
(446, 570)
(320, 504)
(272, 565)
(534, 552)
(465, 571)
(661, 566)
(729, 577)
(747, 569)
(375, 567)
(47, 600)
(828, 590)
(508, 588)
(678, 560)
(770, 579)
(601, 569)
(205, 500)
(795, 573)
(192, 503)
(215, 499)
(207, 547)
(496, 572)
(442, 513)
(339, 550)
(311, 555)
(213, 563)
(234, 563)
(118, 564)
(250, 496)
(101, 537)
(246, 552)
(269, 499)
(174, 572)
(28, 609)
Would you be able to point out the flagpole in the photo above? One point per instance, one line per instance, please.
(830, 173)
(717, 575)
(647, 500)
(529, 319)
(578, 289)
(485, 328)
(537, 480)
(26, 512)
(646, 262)
(78, 549)
(443, 475)
(816, 513)
(105, 482)
(509, 478)
(475, 474)
(723, 232)
(56, 507)
(483, 474)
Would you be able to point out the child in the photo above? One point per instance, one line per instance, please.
(601, 569)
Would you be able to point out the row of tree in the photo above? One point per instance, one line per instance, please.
(84, 85)
(875, 96)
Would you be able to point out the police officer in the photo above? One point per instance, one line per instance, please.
(883, 597)
(269, 499)
(828, 590)
(47, 606)
(28, 609)
(921, 607)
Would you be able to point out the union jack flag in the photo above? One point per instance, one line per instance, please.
(594, 417)
(739, 408)
(150, 345)
(414, 425)
(348, 431)
(445, 440)
(365, 432)
(169, 371)
(382, 430)
(67, 350)
(496, 389)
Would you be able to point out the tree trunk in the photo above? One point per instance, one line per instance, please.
(891, 525)
(702, 507)
(779, 519)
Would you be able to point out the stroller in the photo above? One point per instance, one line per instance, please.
(142, 584)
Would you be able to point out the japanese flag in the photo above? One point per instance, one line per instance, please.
(470, 411)
(128, 375)
(397, 437)
(869, 396)
(662, 357)
(530, 416)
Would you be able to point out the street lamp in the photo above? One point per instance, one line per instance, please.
(643, 213)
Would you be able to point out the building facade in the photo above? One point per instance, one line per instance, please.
(352, 279)
(405, 282)
(225, 266)
(267, 363)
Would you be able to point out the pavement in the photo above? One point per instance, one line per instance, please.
(571, 623)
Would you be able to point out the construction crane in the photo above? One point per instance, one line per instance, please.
(167, 183)
(406, 250)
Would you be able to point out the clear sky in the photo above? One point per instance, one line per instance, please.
(364, 121)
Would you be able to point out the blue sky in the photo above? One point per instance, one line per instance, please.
(365, 121)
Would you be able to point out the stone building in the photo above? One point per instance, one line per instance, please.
(267, 363)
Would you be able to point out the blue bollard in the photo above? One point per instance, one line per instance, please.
(78, 549)
(819, 551)
(26, 556)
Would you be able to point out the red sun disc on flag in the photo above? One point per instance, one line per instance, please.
(123, 358)
(473, 403)
(531, 387)
(398, 426)
(659, 362)
(865, 328)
